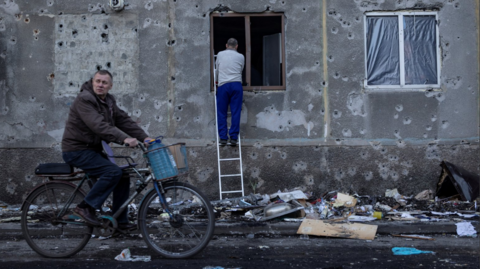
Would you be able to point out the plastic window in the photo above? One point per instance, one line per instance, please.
(420, 50)
(407, 57)
(383, 58)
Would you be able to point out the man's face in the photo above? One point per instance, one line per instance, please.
(101, 85)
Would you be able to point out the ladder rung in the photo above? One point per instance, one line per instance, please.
(231, 191)
(230, 159)
(231, 175)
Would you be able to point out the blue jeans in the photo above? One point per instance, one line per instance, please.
(109, 179)
(229, 94)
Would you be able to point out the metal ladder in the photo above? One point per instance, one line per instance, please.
(219, 159)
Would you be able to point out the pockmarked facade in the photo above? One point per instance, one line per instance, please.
(347, 95)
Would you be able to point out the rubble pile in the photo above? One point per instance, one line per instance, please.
(295, 205)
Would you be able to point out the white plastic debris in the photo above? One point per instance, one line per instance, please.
(467, 216)
(126, 256)
(443, 213)
(360, 218)
(425, 195)
(288, 196)
(465, 229)
(345, 200)
(383, 207)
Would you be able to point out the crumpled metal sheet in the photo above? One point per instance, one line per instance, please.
(455, 179)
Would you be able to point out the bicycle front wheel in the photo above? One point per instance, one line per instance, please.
(48, 223)
(183, 227)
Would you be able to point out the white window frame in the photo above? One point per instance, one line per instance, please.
(402, 85)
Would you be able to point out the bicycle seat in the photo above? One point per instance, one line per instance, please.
(109, 152)
(54, 169)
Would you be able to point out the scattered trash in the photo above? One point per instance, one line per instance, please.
(345, 200)
(408, 251)
(304, 236)
(288, 196)
(378, 215)
(345, 230)
(414, 236)
(361, 218)
(103, 237)
(275, 210)
(127, 257)
(465, 229)
(398, 197)
(383, 207)
(11, 219)
(425, 195)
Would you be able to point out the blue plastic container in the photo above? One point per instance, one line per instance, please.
(161, 160)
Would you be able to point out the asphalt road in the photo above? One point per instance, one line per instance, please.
(276, 252)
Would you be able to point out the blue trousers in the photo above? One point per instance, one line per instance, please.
(229, 94)
(109, 179)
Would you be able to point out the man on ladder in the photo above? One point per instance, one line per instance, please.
(229, 67)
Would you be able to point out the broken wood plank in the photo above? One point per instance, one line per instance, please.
(414, 236)
(344, 230)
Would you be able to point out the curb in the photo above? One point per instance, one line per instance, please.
(290, 229)
(384, 228)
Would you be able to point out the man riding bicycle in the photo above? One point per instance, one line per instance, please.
(94, 116)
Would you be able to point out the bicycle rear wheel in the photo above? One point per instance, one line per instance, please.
(189, 228)
(47, 231)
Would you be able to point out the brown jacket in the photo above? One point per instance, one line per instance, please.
(92, 120)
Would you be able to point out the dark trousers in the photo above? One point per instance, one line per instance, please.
(109, 179)
(229, 94)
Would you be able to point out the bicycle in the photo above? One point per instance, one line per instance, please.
(175, 219)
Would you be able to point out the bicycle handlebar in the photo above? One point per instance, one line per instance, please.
(140, 144)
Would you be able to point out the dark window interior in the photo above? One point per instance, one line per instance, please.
(260, 27)
(225, 28)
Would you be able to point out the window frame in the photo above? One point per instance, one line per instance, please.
(402, 85)
(248, 62)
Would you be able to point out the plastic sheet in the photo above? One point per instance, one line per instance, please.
(408, 251)
(420, 54)
(383, 57)
(419, 50)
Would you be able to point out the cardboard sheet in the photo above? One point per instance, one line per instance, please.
(344, 230)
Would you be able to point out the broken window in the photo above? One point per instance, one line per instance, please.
(401, 50)
(260, 39)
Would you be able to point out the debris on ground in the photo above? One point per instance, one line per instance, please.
(341, 206)
(466, 229)
(414, 236)
(426, 206)
(125, 256)
(408, 251)
(454, 200)
(344, 230)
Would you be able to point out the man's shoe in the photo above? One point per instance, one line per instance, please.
(127, 226)
(87, 215)
(222, 142)
(233, 142)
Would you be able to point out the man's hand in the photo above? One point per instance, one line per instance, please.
(132, 142)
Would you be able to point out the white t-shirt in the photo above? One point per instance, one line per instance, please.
(229, 66)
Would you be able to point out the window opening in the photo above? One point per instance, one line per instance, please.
(261, 39)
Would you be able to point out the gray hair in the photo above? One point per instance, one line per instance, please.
(104, 72)
(232, 42)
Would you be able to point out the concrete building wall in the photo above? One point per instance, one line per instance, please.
(324, 132)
